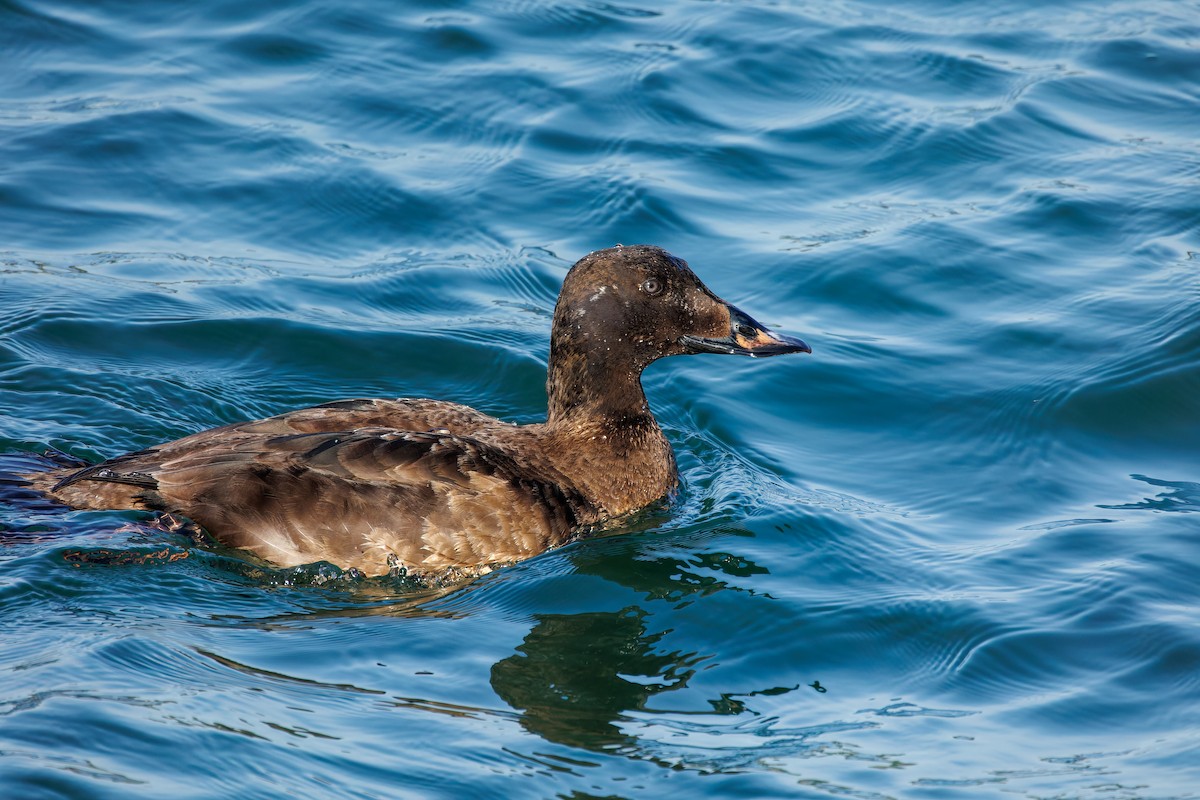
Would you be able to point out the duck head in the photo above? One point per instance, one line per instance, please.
(622, 308)
(646, 303)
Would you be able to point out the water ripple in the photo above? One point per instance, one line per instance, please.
(952, 551)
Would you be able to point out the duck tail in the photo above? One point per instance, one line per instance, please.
(26, 478)
(56, 476)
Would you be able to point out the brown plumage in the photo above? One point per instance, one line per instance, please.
(435, 486)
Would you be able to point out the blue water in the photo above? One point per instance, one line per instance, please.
(954, 553)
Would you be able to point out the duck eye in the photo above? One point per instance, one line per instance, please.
(652, 286)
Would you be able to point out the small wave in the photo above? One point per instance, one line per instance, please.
(914, 710)
(1063, 523)
(1181, 497)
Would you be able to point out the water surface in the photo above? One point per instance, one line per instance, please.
(953, 553)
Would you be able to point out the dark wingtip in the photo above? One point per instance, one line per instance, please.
(103, 473)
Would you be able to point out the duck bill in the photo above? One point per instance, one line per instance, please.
(746, 338)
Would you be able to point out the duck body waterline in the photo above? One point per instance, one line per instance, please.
(433, 486)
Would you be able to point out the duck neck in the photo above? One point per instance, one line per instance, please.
(607, 440)
(595, 389)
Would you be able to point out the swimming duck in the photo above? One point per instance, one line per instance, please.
(432, 486)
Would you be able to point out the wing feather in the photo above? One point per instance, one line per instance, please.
(360, 483)
(431, 499)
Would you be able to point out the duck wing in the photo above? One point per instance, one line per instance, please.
(407, 414)
(364, 498)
